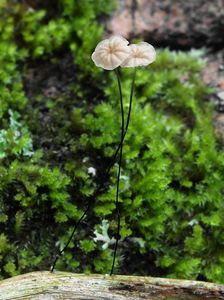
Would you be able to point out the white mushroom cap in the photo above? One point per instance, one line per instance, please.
(142, 54)
(110, 53)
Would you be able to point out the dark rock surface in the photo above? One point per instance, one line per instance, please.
(178, 24)
(213, 75)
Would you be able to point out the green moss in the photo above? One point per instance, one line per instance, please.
(63, 119)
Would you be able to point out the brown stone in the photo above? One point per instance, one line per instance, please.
(213, 73)
(179, 24)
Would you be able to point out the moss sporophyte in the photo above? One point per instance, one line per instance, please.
(111, 54)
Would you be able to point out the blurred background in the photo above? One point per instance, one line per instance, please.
(60, 125)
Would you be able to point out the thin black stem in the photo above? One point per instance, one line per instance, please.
(127, 123)
(119, 173)
(58, 256)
